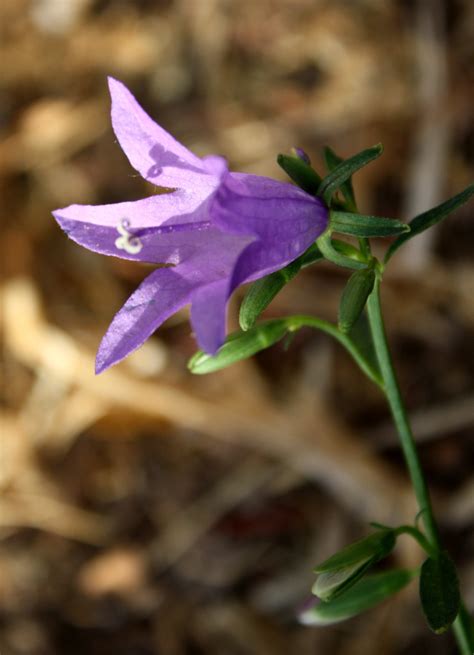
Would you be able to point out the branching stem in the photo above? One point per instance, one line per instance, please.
(461, 626)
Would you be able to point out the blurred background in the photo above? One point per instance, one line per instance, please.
(146, 511)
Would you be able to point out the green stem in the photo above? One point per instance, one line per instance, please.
(419, 537)
(400, 418)
(464, 632)
(395, 401)
(296, 322)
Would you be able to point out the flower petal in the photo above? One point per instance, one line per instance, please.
(260, 258)
(274, 211)
(161, 294)
(169, 226)
(154, 153)
(208, 314)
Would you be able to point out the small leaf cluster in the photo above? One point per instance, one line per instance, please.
(345, 590)
(336, 190)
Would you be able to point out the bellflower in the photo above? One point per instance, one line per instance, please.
(214, 230)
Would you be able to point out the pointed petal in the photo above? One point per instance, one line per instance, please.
(161, 294)
(274, 211)
(154, 153)
(208, 314)
(260, 259)
(169, 226)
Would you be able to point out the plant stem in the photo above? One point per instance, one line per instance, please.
(463, 631)
(400, 418)
(395, 401)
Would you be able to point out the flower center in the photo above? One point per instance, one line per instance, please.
(126, 241)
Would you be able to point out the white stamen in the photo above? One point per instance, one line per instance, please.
(126, 241)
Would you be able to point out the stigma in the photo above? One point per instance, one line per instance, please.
(127, 241)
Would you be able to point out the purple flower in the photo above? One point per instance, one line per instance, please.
(215, 230)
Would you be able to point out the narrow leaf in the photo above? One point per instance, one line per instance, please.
(360, 225)
(262, 292)
(429, 218)
(365, 594)
(439, 592)
(332, 160)
(238, 346)
(354, 298)
(343, 171)
(300, 172)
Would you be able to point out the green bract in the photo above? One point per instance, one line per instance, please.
(262, 292)
(239, 345)
(332, 160)
(354, 297)
(300, 172)
(343, 569)
(343, 171)
(359, 225)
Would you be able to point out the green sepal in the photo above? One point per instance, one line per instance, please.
(429, 218)
(439, 592)
(378, 543)
(359, 225)
(354, 297)
(343, 171)
(344, 569)
(332, 160)
(334, 583)
(300, 172)
(333, 253)
(365, 594)
(238, 346)
(261, 293)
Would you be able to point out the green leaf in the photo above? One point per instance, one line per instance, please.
(378, 544)
(439, 592)
(354, 298)
(361, 336)
(344, 569)
(337, 256)
(429, 218)
(238, 346)
(261, 293)
(332, 160)
(343, 171)
(365, 594)
(300, 172)
(359, 225)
